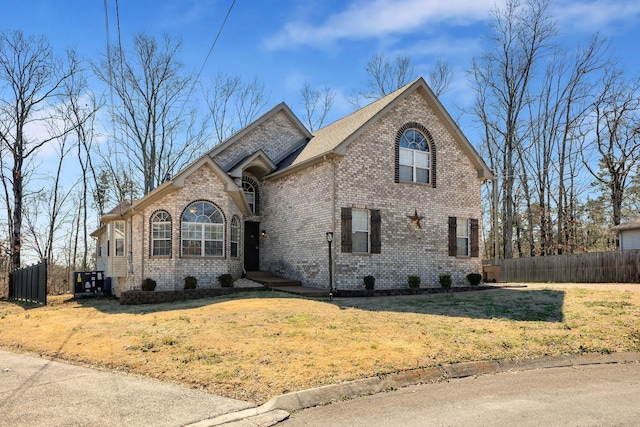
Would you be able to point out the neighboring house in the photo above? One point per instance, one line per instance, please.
(629, 234)
(396, 182)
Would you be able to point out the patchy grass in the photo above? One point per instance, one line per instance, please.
(254, 347)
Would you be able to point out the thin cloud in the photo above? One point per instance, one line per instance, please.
(599, 15)
(380, 18)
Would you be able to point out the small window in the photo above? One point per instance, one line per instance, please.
(202, 230)
(235, 236)
(119, 237)
(161, 234)
(250, 194)
(414, 157)
(99, 247)
(463, 237)
(360, 230)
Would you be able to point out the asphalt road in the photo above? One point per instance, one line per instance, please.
(593, 395)
(39, 392)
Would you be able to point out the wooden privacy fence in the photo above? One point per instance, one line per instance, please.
(597, 267)
(29, 284)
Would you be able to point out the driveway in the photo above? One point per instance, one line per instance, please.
(39, 392)
(592, 395)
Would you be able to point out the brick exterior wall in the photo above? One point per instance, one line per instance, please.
(296, 216)
(276, 137)
(298, 209)
(169, 272)
(365, 179)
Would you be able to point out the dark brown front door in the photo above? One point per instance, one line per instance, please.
(251, 246)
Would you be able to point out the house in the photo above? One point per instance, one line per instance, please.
(396, 182)
(628, 234)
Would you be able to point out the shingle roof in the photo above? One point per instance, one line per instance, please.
(120, 208)
(329, 137)
(629, 225)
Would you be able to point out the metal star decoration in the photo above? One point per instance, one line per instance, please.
(415, 218)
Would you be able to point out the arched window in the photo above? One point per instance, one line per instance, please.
(202, 230)
(414, 157)
(250, 188)
(235, 236)
(161, 234)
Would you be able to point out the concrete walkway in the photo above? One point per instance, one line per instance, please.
(39, 392)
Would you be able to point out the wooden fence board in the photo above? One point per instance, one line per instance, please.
(596, 267)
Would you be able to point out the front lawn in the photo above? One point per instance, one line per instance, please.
(257, 346)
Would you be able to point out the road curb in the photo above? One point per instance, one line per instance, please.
(277, 409)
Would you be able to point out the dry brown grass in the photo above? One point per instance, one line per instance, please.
(254, 347)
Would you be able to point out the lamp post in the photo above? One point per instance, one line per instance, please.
(329, 240)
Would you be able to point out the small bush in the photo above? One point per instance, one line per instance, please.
(190, 282)
(445, 280)
(369, 282)
(474, 278)
(226, 280)
(414, 281)
(148, 284)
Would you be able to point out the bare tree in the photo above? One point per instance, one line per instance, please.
(154, 126)
(30, 80)
(617, 137)
(440, 77)
(559, 108)
(233, 103)
(384, 75)
(316, 103)
(521, 35)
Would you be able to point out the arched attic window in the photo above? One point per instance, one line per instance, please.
(415, 155)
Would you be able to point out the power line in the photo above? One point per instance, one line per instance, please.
(212, 46)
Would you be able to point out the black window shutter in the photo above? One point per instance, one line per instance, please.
(453, 244)
(475, 246)
(376, 230)
(346, 230)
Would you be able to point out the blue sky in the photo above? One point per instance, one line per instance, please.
(288, 42)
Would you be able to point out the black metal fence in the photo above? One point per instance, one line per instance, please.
(29, 284)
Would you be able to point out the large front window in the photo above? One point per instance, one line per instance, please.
(202, 230)
(415, 157)
(161, 234)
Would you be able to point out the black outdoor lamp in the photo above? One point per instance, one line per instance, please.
(329, 240)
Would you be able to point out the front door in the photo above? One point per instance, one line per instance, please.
(251, 246)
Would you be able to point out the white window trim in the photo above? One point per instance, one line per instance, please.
(354, 231)
(155, 239)
(216, 227)
(116, 238)
(466, 235)
(235, 223)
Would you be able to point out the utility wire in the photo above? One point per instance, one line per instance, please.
(212, 46)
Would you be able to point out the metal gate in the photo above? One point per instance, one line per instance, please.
(29, 284)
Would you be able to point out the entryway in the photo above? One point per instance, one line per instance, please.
(251, 246)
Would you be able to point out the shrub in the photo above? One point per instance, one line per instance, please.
(148, 284)
(190, 282)
(474, 278)
(445, 280)
(414, 281)
(226, 280)
(369, 282)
